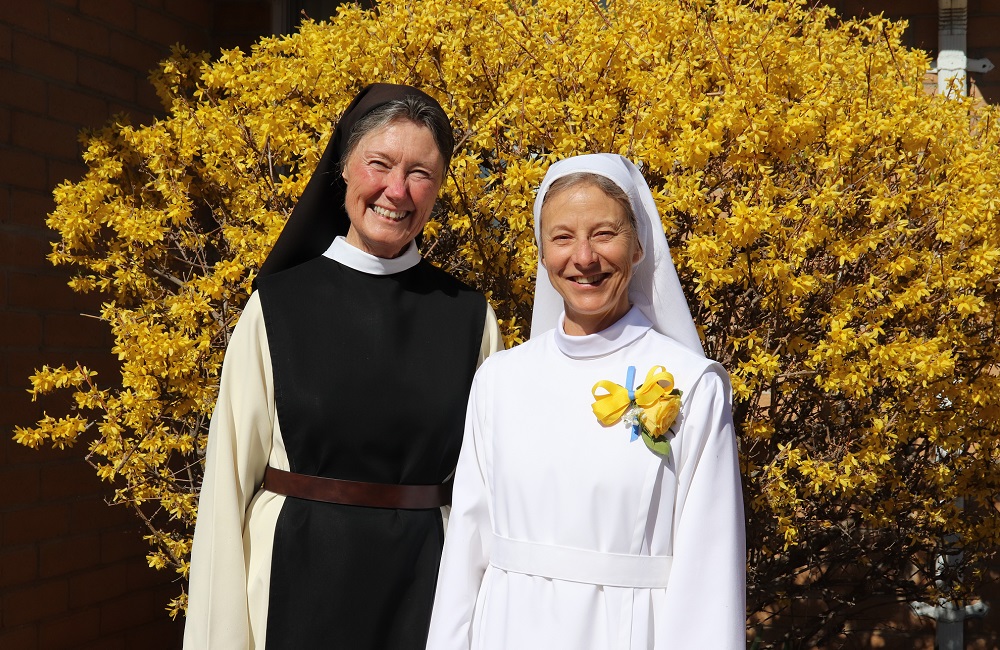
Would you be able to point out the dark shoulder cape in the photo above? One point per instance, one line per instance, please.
(372, 376)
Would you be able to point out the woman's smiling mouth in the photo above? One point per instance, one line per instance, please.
(389, 214)
(591, 279)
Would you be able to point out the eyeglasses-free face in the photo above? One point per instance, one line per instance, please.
(393, 177)
(589, 250)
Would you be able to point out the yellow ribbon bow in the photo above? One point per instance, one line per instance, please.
(610, 407)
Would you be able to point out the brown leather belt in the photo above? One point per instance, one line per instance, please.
(356, 493)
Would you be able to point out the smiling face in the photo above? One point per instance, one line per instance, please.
(589, 250)
(392, 176)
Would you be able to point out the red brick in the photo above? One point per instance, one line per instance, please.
(111, 80)
(143, 112)
(192, 11)
(108, 643)
(35, 602)
(135, 610)
(123, 544)
(983, 31)
(19, 485)
(245, 16)
(6, 43)
(24, 637)
(42, 56)
(18, 565)
(20, 328)
(41, 291)
(32, 208)
(146, 96)
(4, 129)
(79, 32)
(61, 171)
(161, 634)
(32, 16)
(922, 33)
(23, 91)
(120, 13)
(18, 409)
(70, 631)
(22, 250)
(34, 524)
(136, 54)
(20, 364)
(97, 514)
(59, 296)
(97, 585)
(75, 331)
(157, 27)
(69, 555)
(70, 105)
(70, 481)
(23, 169)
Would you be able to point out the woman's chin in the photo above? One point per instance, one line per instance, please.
(385, 242)
(586, 317)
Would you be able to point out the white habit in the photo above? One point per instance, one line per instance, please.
(536, 467)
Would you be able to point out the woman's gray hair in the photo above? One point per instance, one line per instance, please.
(411, 108)
(603, 183)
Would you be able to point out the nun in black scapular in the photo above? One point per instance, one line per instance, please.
(341, 406)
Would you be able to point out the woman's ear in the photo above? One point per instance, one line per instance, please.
(638, 252)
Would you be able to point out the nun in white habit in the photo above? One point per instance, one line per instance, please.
(597, 500)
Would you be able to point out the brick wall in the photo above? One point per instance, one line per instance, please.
(72, 569)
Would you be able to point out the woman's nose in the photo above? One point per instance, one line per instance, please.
(584, 253)
(395, 184)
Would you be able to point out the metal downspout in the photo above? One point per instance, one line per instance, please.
(952, 61)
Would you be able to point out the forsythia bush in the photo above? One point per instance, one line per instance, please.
(835, 227)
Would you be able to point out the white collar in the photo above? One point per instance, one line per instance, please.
(627, 329)
(357, 259)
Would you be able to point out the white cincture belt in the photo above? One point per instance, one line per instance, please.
(579, 565)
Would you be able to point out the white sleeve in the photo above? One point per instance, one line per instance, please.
(239, 442)
(470, 533)
(492, 338)
(706, 594)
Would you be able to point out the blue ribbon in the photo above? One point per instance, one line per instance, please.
(630, 386)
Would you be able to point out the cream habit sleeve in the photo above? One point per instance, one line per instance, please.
(239, 442)
(492, 339)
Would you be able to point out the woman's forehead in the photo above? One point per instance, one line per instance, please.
(582, 204)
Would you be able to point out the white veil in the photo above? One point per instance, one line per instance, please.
(654, 288)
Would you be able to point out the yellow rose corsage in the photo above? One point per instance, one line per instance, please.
(648, 410)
